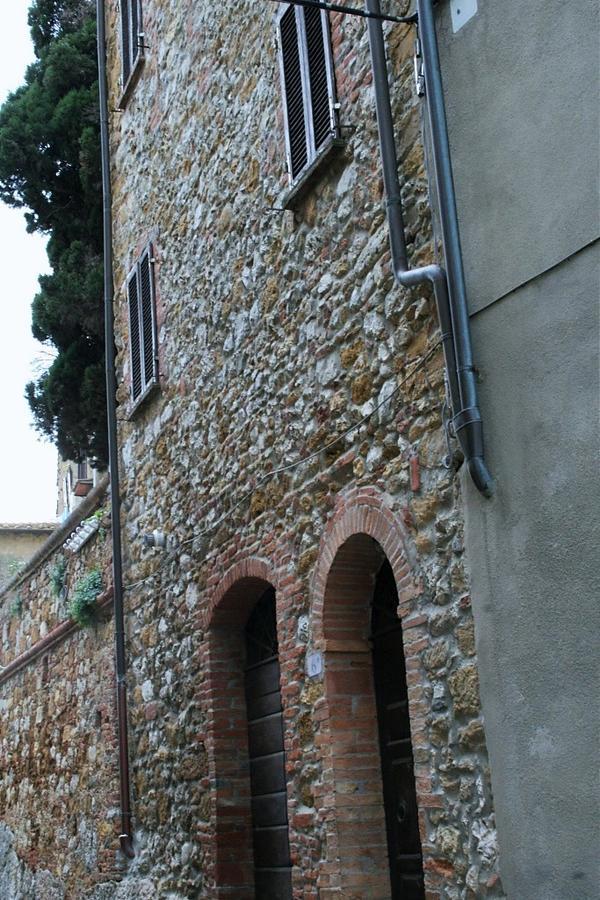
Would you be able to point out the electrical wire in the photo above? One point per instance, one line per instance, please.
(347, 10)
(288, 467)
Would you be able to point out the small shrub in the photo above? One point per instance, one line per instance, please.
(14, 567)
(82, 607)
(57, 577)
(16, 607)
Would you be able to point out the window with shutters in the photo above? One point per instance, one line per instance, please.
(131, 43)
(308, 86)
(142, 326)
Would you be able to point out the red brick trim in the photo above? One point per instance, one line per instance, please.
(361, 531)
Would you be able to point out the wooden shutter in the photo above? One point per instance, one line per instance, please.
(134, 334)
(126, 39)
(307, 79)
(293, 91)
(130, 35)
(135, 30)
(142, 325)
(317, 47)
(148, 340)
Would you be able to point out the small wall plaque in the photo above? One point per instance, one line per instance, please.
(314, 664)
(461, 11)
(303, 630)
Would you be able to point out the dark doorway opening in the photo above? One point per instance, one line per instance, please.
(272, 863)
(391, 697)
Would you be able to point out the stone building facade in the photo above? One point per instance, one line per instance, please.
(74, 481)
(287, 441)
(294, 441)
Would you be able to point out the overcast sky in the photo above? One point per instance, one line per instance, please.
(27, 465)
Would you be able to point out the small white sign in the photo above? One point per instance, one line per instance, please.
(314, 664)
(303, 630)
(461, 11)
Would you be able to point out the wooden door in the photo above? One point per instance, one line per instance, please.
(272, 864)
(399, 794)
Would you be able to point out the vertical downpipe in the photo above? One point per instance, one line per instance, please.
(467, 420)
(449, 287)
(126, 837)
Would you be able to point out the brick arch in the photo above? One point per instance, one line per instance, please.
(357, 513)
(360, 535)
(228, 837)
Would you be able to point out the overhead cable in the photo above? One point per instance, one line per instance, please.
(347, 10)
(292, 465)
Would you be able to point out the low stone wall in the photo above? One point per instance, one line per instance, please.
(58, 756)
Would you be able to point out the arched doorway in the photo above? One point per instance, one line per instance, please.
(376, 811)
(268, 794)
(247, 831)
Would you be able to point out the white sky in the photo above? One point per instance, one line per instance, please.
(27, 465)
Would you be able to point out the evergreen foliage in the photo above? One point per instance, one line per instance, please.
(50, 167)
(82, 607)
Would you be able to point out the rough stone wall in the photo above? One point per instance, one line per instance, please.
(277, 332)
(58, 757)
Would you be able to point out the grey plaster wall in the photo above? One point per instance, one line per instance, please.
(521, 85)
(533, 557)
(521, 88)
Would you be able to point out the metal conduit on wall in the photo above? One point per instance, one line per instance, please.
(126, 836)
(448, 286)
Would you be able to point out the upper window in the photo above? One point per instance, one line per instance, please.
(131, 37)
(142, 326)
(308, 86)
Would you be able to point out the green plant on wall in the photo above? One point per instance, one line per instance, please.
(13, 567)
(99, 515)
(16, 607)
(82, 607)
(57, 577)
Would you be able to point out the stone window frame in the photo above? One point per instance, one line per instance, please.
(149, 384)
(132, 48)
(315, 155)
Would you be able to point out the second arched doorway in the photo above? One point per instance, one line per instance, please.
(376, 810)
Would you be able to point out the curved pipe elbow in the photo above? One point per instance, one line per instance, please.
(480, 476)
(412, 277)
(126, 843)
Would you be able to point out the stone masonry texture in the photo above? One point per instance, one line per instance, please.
(278, 330)
(58, 764)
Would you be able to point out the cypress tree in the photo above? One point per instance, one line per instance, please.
(50, 167)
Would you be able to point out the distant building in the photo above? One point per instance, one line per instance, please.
(18, 543)
(74, 482)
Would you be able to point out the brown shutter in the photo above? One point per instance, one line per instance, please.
(135, 31)
(317, 68)
(130, 35)
(126, 39)
(147, 318)
(293, 94)
(134, 334)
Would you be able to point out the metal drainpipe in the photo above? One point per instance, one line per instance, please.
(126, 837)
(449, 289)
